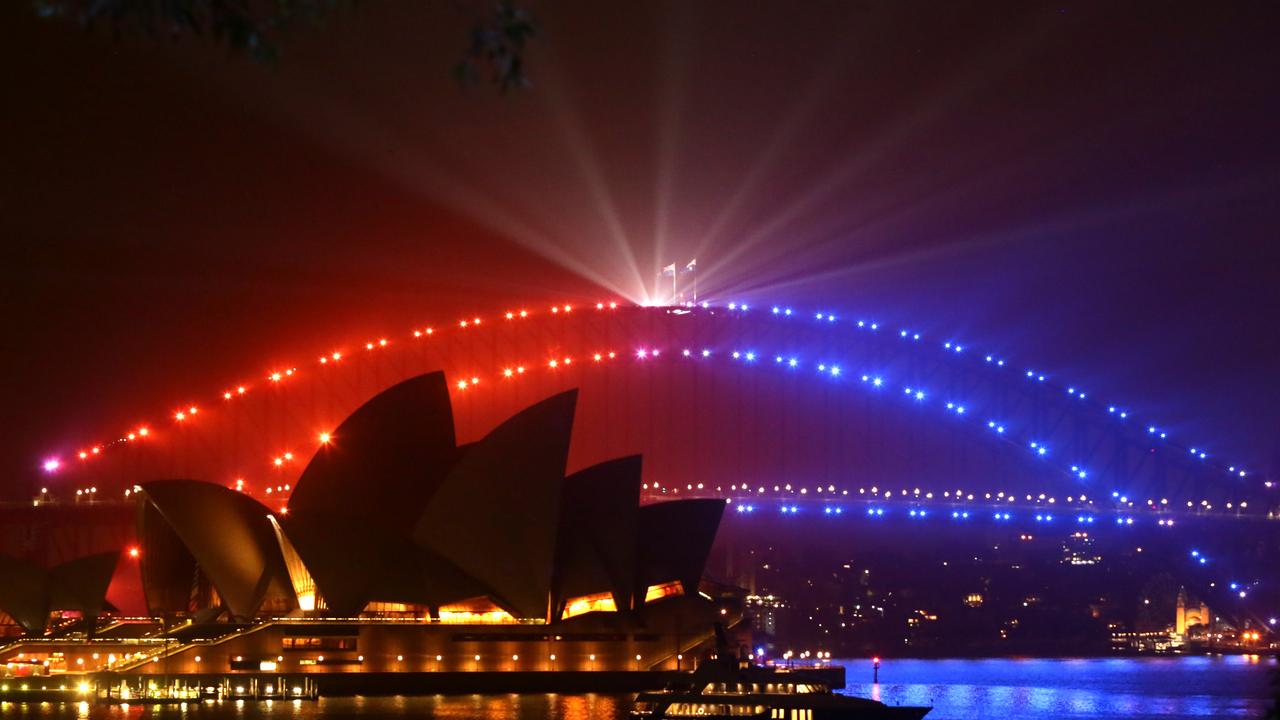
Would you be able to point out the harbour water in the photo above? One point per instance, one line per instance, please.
(1016, 689)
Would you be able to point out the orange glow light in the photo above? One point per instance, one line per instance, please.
(383, 342)
(239, 391)
(179, 416)
(131, 436)
(97, 449)
(368, 346)
(226, 396)
(520, 369)
(83, 455)
(336, 356)
(275, 377)
(133, 552)
(193, 410)
(141, 431)
(325, 438)
(507, 372)
(553, 364)
(462, 384)
(524, 313)
(597, 357)
(510, 315)
(278, 461)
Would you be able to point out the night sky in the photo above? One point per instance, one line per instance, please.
(1093, 189)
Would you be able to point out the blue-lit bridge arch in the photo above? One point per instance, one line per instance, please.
(744, 402)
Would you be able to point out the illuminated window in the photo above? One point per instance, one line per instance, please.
(318, 643)
(600, 602)
(664, 590)
(476, 611)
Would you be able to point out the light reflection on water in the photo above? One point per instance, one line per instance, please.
(1101, 689)
(1093, 689)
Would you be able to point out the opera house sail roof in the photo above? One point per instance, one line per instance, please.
(393, 513)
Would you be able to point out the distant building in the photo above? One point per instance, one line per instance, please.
(1189, 614)
(1078, 549)
(763, 610)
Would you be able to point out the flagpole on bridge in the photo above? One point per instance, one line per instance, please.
(675, 290)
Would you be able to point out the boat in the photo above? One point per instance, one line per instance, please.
(736, 688)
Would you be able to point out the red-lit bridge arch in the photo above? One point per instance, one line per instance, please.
(743, 402)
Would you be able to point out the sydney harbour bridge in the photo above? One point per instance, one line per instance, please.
(803, 416)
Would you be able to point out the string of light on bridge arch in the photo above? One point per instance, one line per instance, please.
(190, 412)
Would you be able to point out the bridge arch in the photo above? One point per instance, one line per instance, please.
(815, 400)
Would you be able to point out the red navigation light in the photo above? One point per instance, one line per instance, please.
(133, 552)
(875, 661)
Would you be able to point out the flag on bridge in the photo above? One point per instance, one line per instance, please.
(669, 269)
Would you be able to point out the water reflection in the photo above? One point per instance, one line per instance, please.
(1168, 688)
(1102, 689)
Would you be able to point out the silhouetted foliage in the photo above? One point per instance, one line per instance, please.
(497, 45)
(495, 52)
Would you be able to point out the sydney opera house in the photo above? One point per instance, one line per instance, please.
(401, 550)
